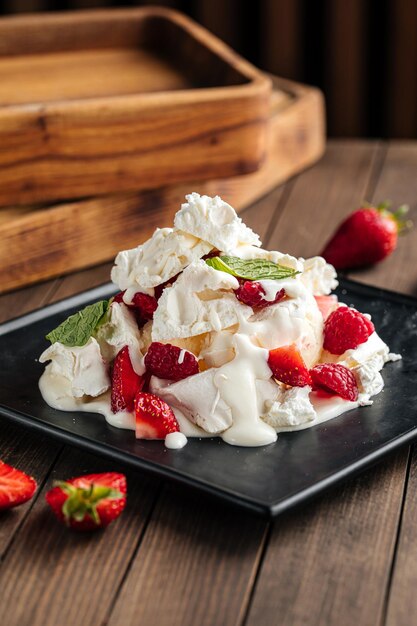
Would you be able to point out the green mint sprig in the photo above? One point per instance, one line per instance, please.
(253, 269)
(77, 329)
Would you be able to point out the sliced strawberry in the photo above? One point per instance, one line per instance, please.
(160, 288)
(154, 418)
(326, 304)
(345, 329)
(167, 361)
(335, 378)
(88, 502)
(253, 294)
(125, 383)
(16, 487)
(287, 366)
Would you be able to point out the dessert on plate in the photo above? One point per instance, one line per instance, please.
(210, 335)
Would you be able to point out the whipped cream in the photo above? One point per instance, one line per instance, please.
(234, 396)
(82, 368)
(214, 221)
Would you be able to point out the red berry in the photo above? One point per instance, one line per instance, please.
(167, 361)
(154, 418)
(143, 305)
(345, 329)
(125, 383)
(253, 294)
(160, 288)
(366, 236)
(288, 367)
(16, 487)
(335, 378)
(326, 304)
(88, 502)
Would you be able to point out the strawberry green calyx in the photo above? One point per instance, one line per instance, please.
(383, 208)
(84, 501)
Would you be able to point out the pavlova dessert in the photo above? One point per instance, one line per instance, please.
(213, 336)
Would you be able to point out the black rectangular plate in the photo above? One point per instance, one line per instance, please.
(267, 480)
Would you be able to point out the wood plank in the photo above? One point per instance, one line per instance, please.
(91, 117)
(402, 600)
(346, 67)
(323, 196)
(46, 243)
(32, 453)
(52, 575)
(347, 537)
(398, 184)
(281, 37)
(329, 562)
(196, 565)
(402, 69)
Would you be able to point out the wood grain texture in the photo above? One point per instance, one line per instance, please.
(204, 557)
(330, 562)
(54, 576)
(89, 118)
(397, 183)
(402, 601)
(348, 538)
(31, 453)
(322, 197)
(69, 236)
(346, 69)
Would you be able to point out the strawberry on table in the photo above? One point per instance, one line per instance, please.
(287, 366)
(154, 418)
(16, 487)
(125, 383)
(345, 329)
(252, 293)
(167, 361)
(88, 502)
(335, 378)
(366, 236)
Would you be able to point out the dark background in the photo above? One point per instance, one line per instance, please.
(361, 53)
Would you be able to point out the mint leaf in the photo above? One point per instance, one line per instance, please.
(77, 329)
(253, 269)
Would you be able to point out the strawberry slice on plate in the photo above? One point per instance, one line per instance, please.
(287, 366)
(16, 487)
(125, 383)
(88, 502)
(154, 418)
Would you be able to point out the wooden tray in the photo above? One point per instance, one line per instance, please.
(96, 102)
(39, 243)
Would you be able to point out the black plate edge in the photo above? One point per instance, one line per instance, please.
(135, 462)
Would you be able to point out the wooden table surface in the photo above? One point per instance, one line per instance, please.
(178, 558)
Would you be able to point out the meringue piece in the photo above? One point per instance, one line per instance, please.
(160, 258)
(120, 329)
(197, 397)
(198, 302)
(219, 349)
(83, 368)
(214, 221)
(318, 276)
(297, 319)
(292, 407)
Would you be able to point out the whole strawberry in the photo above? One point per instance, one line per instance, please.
(16, 487)
(88, 502)
(367, 236)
